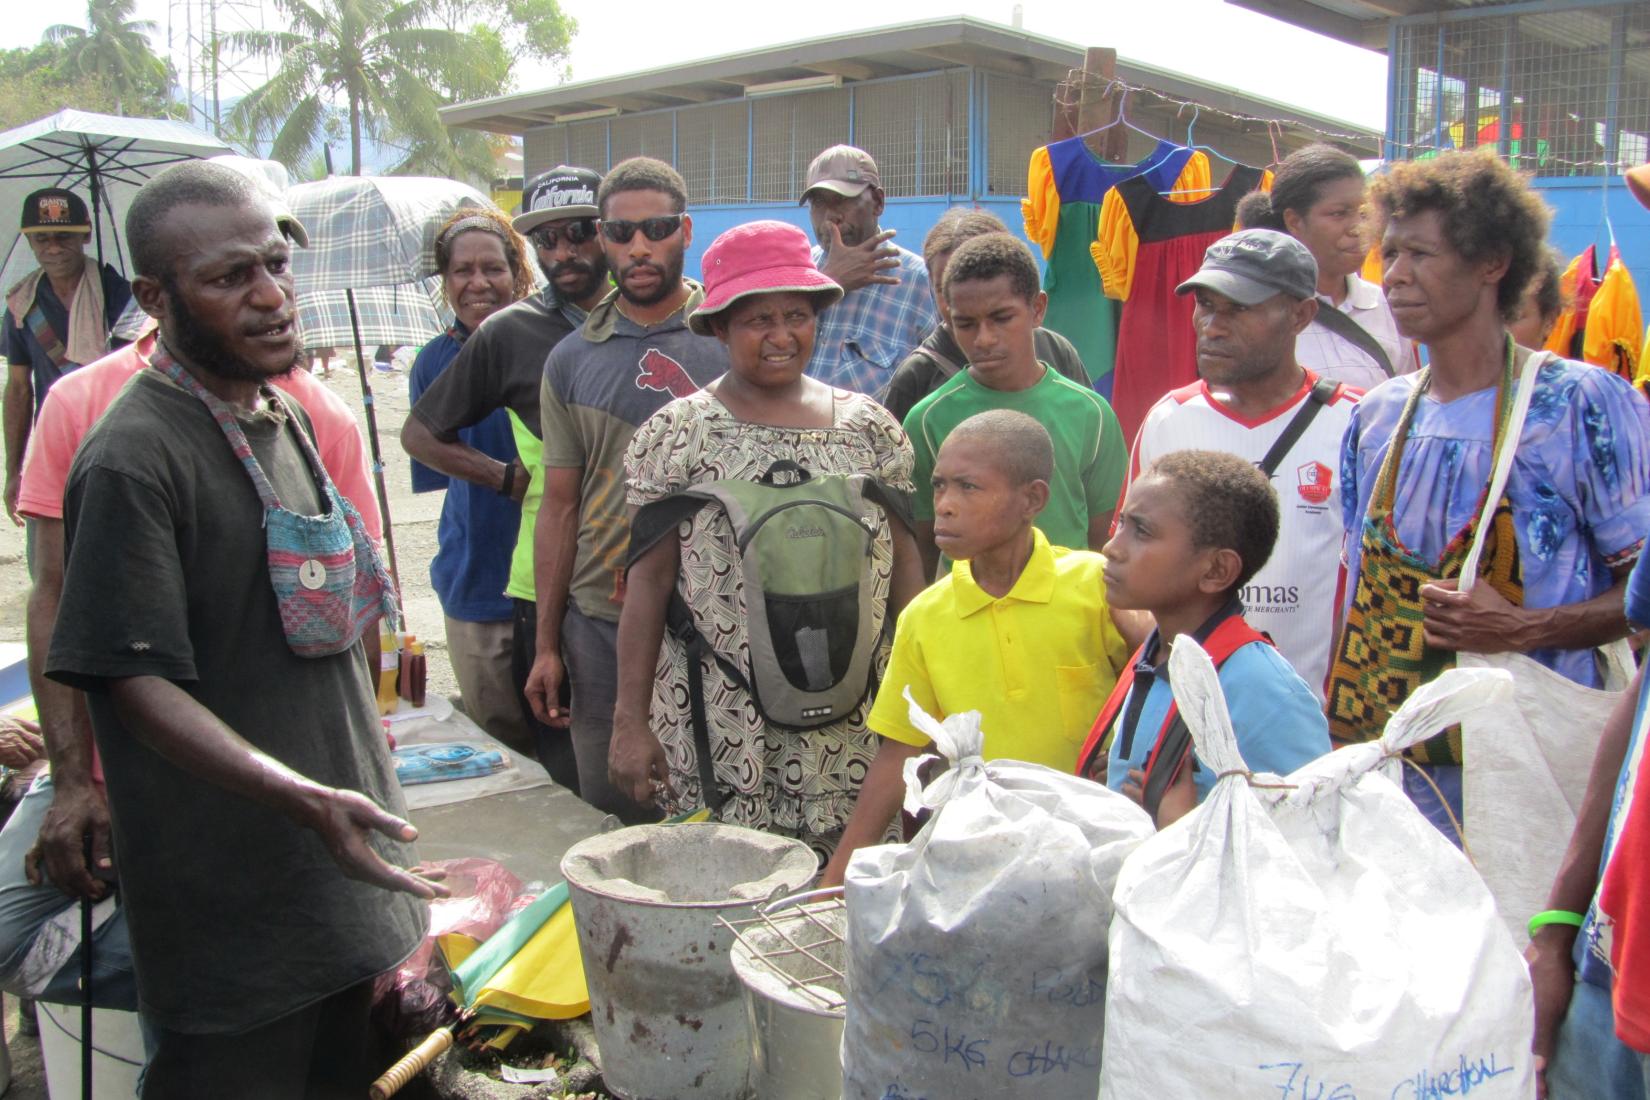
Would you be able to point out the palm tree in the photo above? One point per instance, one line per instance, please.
(113, 47)
(380, 59)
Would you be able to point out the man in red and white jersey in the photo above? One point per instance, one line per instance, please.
(1255, 293)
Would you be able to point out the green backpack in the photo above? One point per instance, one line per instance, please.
(804, 548)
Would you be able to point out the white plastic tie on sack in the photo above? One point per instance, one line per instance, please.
(1202, 705)
(959, 741)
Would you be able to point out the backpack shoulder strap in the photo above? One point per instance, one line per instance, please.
(659, 518)
(651, 525)
(1173, 750)
(1355, 334)
(1322, 394)
(895, 503)
(1098, 743)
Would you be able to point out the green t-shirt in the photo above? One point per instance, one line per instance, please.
(1090, 456)
(531, 450)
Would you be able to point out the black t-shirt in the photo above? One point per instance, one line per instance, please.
(939, 357)
(501, 365)
(237, 915)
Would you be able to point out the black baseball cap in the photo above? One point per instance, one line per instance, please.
(1251, 265)
(563, 192)
(55, 210)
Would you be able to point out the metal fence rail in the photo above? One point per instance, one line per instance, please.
(1559, 92)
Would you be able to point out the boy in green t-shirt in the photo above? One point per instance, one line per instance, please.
(1018, 630)
(992, 292)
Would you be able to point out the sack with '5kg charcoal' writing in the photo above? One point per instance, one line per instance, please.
(976, 954)
(1313, 937)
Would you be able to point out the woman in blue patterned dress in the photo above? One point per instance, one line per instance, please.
(1463, 237)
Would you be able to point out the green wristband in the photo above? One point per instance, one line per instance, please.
(1555, 916)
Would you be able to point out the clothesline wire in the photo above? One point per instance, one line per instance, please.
(1078, 79)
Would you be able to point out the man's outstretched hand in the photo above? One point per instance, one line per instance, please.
(344, 820)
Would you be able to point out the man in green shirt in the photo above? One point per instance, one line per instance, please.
(995, 304)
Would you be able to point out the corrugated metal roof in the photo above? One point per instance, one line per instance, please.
(1360, 22)
(861, 55)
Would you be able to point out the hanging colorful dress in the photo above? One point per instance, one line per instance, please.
(1578, 284)
(1149, 244)
(1611, 338)
(1065, 186)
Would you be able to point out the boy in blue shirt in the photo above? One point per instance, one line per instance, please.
(1196, 527)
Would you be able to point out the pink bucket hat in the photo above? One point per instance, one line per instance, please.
(763, 257)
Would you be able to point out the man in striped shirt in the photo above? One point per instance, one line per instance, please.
(1255, 293)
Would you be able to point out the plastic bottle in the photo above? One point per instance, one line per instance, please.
(389, 663)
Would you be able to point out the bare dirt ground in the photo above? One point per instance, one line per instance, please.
(414, 522)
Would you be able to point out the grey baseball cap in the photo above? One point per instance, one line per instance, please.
(844, 169)
(1251, 265)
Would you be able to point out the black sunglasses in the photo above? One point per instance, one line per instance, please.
(654, 229)
(577, 231)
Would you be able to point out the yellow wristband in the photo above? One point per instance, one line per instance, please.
(1555, 916)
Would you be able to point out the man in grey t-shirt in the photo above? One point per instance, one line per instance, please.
(253, 803)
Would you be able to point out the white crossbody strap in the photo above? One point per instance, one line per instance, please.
(1510, 436)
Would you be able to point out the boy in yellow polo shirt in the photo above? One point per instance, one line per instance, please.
(1018, 630)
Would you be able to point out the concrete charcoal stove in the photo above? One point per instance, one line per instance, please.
(666, 1006)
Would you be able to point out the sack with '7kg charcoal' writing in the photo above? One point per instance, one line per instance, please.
(1313, 937)
(976, 954)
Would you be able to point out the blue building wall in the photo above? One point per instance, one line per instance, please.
(909, 218)
(1578, 221)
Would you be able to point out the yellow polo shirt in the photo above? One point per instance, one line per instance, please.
(1037, 664)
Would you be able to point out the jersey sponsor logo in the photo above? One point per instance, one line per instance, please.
(1313, 481)
(658, 371)
(1270, 597)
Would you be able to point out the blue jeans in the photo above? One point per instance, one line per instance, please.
(40, 955)
(1447, 779)
(1589, 1062)
(589, 651)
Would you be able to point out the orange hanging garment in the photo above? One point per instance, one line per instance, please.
(1614, 321)
(1577, 284)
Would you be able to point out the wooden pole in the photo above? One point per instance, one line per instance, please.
(1065, 109)
(1098, 104)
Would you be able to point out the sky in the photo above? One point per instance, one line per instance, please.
(1210, 39)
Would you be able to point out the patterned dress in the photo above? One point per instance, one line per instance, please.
(798, 783)
(1579, 488)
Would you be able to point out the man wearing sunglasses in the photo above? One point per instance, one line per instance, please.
(632, 356)
(888, 309)
(501, 366)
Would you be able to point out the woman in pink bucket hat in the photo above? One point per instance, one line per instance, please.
(762, 419)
